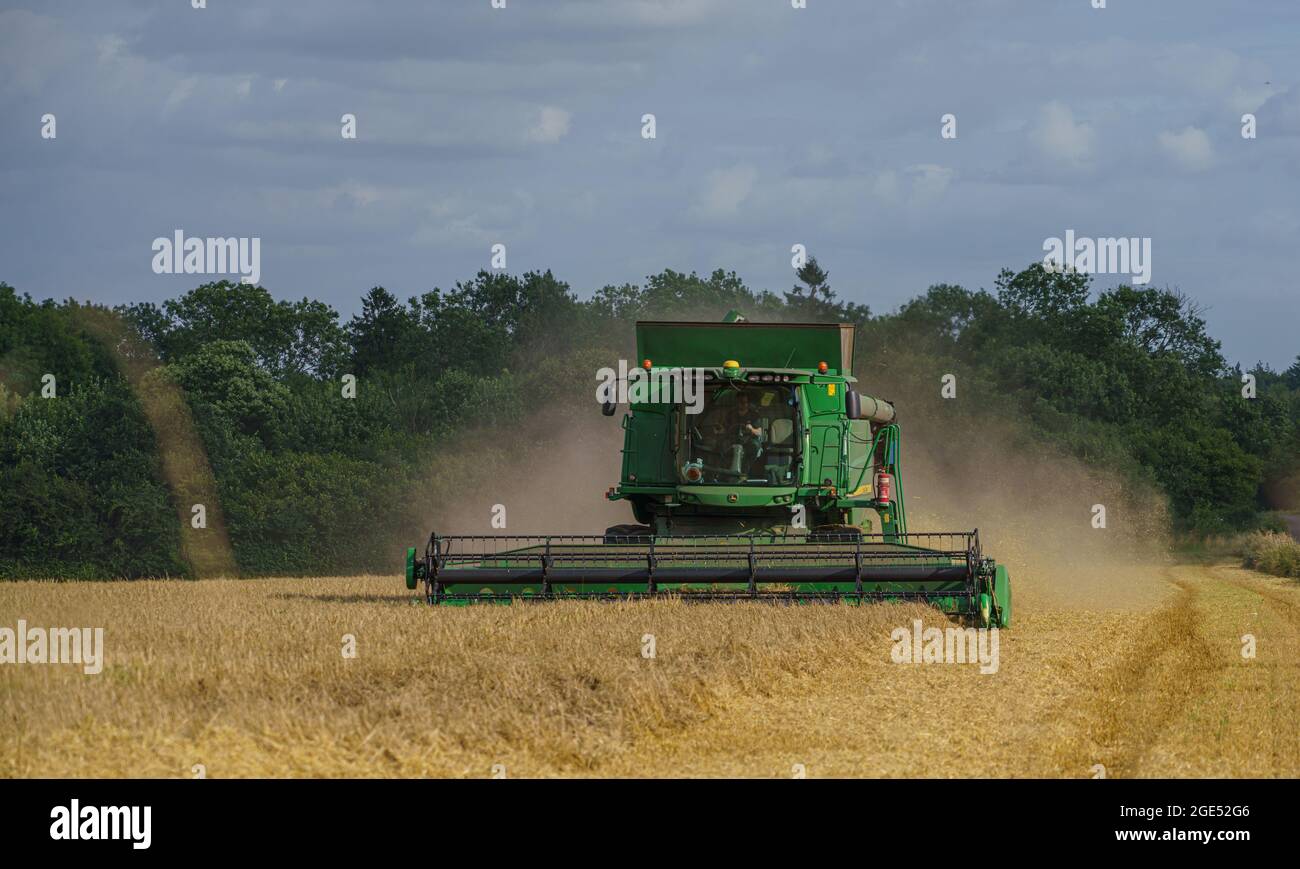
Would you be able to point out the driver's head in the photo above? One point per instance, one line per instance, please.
(742, 402)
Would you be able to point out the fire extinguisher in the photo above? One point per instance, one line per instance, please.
(884, 487)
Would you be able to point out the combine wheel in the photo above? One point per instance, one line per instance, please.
(1002, 597)
(834, 534)
(628, 534)
(410, 568)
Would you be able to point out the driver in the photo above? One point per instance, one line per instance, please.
(744, 429)
(744, 419)
(737, 421)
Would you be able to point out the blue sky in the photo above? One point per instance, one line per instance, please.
(775, 126)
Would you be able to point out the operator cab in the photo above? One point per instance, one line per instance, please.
(745, 434)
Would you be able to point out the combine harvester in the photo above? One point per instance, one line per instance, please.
(760, 485)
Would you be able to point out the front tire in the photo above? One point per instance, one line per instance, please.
(835, 534)
(628, 534)
(1001, 597)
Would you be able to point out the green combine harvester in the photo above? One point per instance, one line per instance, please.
(755, 470)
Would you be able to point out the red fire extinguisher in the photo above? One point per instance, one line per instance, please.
(884, 487)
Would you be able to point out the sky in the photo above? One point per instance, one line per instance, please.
(774, 126)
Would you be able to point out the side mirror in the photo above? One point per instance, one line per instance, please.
(853, 404)
(607, 408)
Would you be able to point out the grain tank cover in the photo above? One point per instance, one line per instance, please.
(754, 345)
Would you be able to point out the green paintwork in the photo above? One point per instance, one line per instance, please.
(458, 584)
(837, 459)
(827, 476)
(1002, 597)
(753, 345)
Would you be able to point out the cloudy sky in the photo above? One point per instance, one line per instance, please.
(774, 126)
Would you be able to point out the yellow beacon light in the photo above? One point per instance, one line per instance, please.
(731, 363)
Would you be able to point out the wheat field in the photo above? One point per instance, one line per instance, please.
(237, 678)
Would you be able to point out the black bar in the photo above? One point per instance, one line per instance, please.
(739, 575)
(765, 554)
(857, 569)
(328, 820)
(710, 596)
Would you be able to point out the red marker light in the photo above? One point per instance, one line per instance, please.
(646, 364)
(822, 367)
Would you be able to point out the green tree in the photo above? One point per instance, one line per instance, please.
(224, 377)
(288, 338)
(382, 336)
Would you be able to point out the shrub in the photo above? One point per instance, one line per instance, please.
(1272, 552)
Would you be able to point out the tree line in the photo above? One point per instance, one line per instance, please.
(312, 482)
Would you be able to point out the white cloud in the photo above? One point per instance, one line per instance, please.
(725, 190)
(354, 193)
(181, 92)
(1249, 99)
(110, 48)
(1282, 111)
(552, 125)
(1275, 226)
(33, 49)
(1205, 69)
(466, 221)
(885, 186)
(1061, 138)
(658, 14)
(929, 180)
(817, 155)
(672, 12)
(1190, 148)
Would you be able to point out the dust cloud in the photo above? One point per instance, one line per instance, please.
(1034, 505)
(549, 473)
(1035, 508)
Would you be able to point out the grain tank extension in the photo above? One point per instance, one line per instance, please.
(773, 478)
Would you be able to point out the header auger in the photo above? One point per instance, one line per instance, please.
(755, 470)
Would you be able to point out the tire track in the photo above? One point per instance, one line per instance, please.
(1158, 692)
(1278, 652)
(1287, 607)
(1132, 701)
(1155, 685)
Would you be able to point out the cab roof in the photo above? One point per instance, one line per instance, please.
(768, 346)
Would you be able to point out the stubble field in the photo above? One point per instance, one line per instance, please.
(248, 678)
